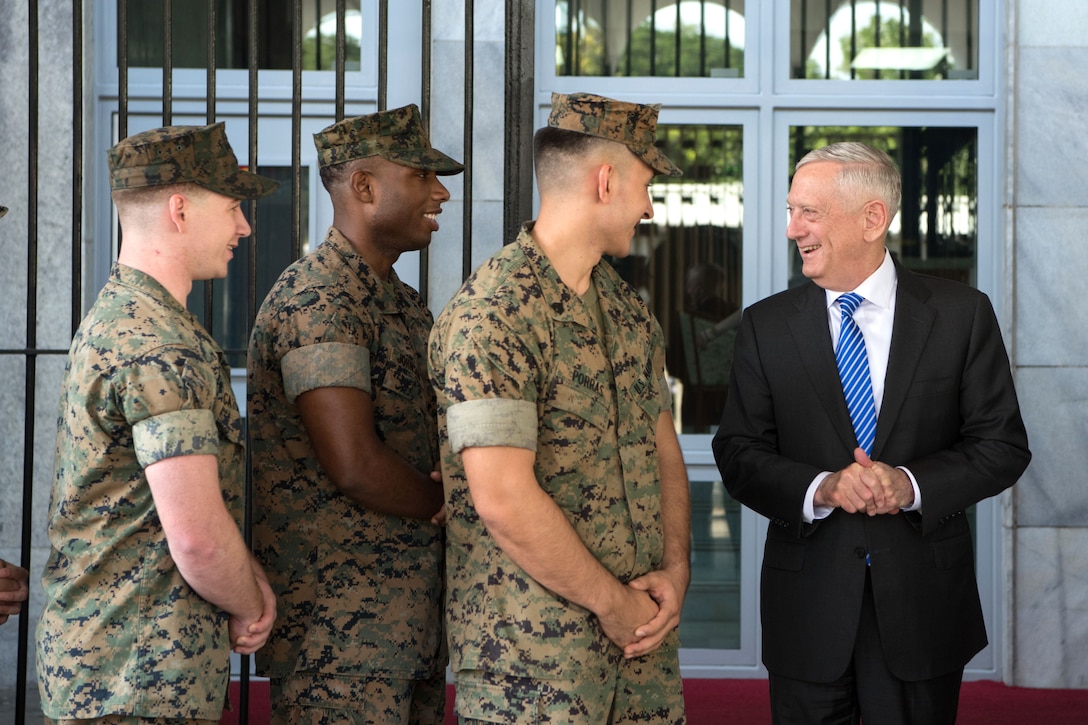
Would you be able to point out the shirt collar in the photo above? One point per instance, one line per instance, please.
(878, 288)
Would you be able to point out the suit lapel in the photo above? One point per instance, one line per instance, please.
(810, 332)
(910, 330)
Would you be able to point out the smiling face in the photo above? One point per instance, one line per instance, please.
(833, 228)
(407, 203)
(216, 224)
(630, 203)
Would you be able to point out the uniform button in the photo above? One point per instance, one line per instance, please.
(859, 552)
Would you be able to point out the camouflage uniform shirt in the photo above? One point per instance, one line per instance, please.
(359, 592)
(121, 631)
(518, 359)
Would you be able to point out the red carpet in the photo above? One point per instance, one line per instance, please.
(744, 702)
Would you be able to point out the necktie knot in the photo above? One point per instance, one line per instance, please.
(849, 303)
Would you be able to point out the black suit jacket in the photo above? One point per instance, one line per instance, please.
(949, 414)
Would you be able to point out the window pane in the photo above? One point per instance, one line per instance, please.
(621, 38)
(936, 230)
(711, 616)
(886, 40)
(230, 314)
(686, 263)
(189, 25)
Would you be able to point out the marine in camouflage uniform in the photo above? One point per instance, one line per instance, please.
(124, 636)
(555, 423)
(337, 382)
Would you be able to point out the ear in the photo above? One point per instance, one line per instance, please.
(362, 183)
(179, 207)
(875, 218)
(605, 176)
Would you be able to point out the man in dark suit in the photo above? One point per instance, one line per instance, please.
(869, 603)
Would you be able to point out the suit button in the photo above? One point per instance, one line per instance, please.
(859, 552)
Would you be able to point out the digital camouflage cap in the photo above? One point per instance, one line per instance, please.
(199, 155)
(632, 124)
(396, 135)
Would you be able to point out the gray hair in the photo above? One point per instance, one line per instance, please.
(862, 169)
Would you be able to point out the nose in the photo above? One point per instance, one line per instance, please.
(648, 212)
(793, 226)
(440, 192)
(243, 224)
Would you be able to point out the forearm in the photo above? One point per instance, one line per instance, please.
(675, 503)
(379, 480)
(222, 575)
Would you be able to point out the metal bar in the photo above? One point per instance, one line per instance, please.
(31, 360)
(676, 43)
(209, 285)
(383, 53)
(425, 114)
(728, 41)
(77, 164)
(209, 81)
(627, 45)
(317, 35)
(341, 56)
(168, 63)
(653, 38)
(470, 60)
(702, 38)
(518, 106)
(122, 75)
(252, 39)
(296, 128)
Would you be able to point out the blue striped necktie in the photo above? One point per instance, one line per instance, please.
(853, 366)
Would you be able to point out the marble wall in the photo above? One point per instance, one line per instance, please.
(1048, 94)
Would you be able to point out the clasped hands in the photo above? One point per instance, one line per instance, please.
(866, 486)
(647, 609)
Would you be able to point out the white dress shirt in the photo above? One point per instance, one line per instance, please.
(874, 316)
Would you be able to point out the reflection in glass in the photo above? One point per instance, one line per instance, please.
(936, 230)
(621, 38)
(885, 40)
(189, 30)
(686, 263)
(229, 316)
(711, 616)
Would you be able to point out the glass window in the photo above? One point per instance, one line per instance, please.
(936, 230)
(711, 616)
(621, 38)
(229, 316)
(686, 263)
(189, 25)
(885, 40)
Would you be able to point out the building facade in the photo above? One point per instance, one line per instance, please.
(978, 101)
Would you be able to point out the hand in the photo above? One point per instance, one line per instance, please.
(246, 638)
(439, 519)
(667, 589)
(891, 487)
(633, 610)
(866, 486)
(14, 589)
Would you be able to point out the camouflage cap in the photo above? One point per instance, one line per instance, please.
(3, 211)
(199, 155)
(632, 124)
(396, 135)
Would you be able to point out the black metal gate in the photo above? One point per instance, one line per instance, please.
(156, 25)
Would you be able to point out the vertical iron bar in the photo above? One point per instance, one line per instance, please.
(466, 225)
(827, 35)
(251, 312)
(970, 28)
(568, 51)
(296, 127)
(425, 114)
(168, 65)
(702, 37)
(676, 47)
(341, 56)
(579, 36)
(31, 360)
(653, 38)
(77, 163)
(317, 35)
(383, 53)
(627, 46)
(122, 74)
(728, 41)
(518, 101)
(209, 285)
(209, 81)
